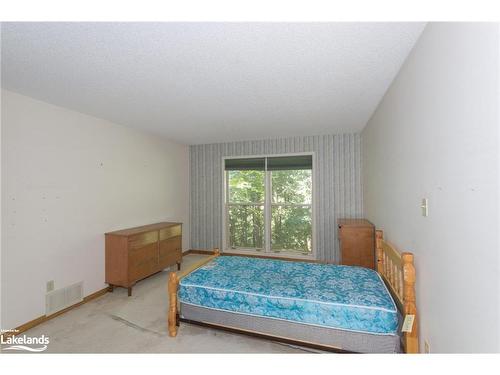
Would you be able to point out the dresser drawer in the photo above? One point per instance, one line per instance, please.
(170, 232)
(143, 261)
(170, 251)
(143, 239)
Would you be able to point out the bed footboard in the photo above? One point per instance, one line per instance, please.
(173, 287)
(398, 271)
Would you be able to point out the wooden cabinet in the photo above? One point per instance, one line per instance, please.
(357, 242)
(135, 253)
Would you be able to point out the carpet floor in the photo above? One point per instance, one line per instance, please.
(115, 323)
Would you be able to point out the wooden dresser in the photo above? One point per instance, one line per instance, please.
(357, 242)
(135, 253)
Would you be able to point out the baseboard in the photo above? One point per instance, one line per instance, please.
(33, 323)
(198, 251)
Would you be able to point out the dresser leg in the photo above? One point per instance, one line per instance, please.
(111, 288)
(129, 291)
(178, 266)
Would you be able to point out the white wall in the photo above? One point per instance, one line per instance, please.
(66, 179)
(434, 135)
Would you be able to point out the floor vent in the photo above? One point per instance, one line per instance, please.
(59, 299)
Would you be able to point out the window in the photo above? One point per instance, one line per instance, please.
(268, 204)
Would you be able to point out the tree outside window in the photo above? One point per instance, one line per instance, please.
(272, 193)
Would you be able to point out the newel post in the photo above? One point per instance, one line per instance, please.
(409, 301)
(379, 237)
(173, 283)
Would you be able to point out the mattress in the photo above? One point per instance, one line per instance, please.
(342, 297)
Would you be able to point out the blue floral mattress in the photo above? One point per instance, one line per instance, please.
(342, 297)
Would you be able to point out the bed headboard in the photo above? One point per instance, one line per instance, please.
(398, 272)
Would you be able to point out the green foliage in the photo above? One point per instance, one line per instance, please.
(246, 186)
(291, 227)
(246, 226)
(246, 222)
(293, 186)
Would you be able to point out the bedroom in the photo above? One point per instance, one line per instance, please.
(250, 187)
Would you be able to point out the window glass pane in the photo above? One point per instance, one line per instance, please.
(246, 226)
(291, 229)
(292, 186)
(246, 186)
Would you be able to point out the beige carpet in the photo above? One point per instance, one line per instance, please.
(115, 323)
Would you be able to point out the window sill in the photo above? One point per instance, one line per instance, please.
(263, 254)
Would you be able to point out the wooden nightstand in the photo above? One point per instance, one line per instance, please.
(357, 242)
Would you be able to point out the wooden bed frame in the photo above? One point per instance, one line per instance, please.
(398, 272)
(396, 269)
(173, 287)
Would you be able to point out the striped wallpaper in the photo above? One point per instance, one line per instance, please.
(338, 185)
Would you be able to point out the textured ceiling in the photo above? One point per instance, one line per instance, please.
(210, 82)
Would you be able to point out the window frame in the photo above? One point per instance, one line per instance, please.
(268, 204)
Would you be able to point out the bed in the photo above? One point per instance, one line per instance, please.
(324, 306)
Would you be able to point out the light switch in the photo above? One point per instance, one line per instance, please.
(425, 207)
